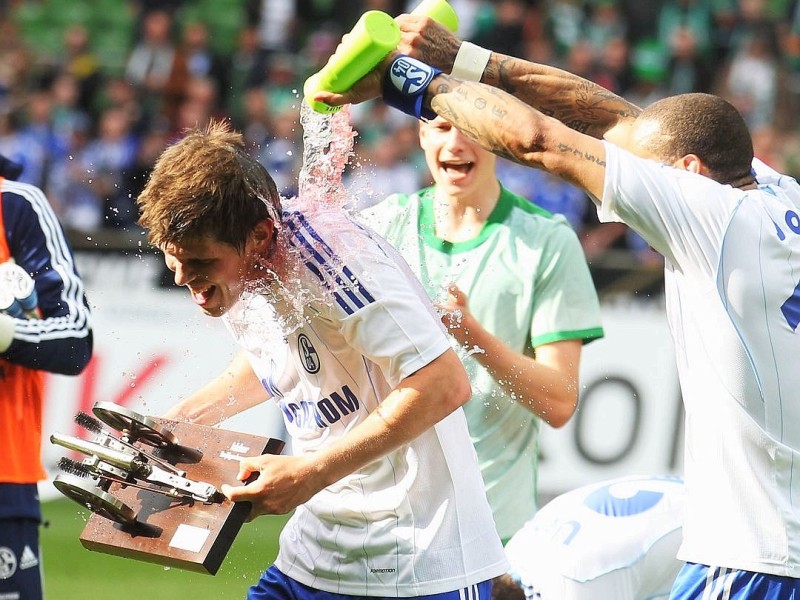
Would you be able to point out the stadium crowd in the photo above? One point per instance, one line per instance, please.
(91, 91)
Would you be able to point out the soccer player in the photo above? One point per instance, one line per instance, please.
(682, 174)
(52, 333)
(519, 328)
(613, 539)
(384, 484)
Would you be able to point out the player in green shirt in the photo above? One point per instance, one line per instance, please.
(517, 298)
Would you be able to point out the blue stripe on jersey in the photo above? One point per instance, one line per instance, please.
(791, 308)
(320, 258)
(700, 582)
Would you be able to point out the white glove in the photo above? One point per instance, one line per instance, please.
(16, 279)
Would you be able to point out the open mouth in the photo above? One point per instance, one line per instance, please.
(457, 169)
(201, 297)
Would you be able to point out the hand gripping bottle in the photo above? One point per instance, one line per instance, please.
(371, 39)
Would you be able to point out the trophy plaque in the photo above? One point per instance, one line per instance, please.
(153, 486)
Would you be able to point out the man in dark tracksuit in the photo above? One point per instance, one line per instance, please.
(56, 336)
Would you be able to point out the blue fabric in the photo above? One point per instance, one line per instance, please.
(20, 575)
(696, 582)
(404, 86)
(19, 500)
(274, 585)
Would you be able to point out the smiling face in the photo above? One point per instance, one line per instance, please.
(459, 166)
(215, 272)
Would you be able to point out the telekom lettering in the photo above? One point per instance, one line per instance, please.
(323, 413)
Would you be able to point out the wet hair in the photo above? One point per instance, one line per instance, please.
(207, 185)
(705, 125)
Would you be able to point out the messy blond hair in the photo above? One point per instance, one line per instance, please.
(206, 184)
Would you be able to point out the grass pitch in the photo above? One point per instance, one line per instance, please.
(71, 572)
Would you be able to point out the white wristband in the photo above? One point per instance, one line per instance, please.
(470, 62)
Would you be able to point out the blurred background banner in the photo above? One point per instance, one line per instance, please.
(152, 347)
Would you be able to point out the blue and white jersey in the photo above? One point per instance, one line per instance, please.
(615, 539)
(732, 276)
(416, 521)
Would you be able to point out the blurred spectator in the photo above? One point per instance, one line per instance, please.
(82, 64)
(682, 17)
(689, 69)
(38, 127)
(96, 196)
(751, 82)
(613, 70)
(66, 111)
(152, 144)
(15, 63)
(248, 70)
(606, 23)
(120, 93)
(151, 64)
(379, 173)
(649, 72)
(282, 86)
(277, 26)
(565, 23)
(282, 153)
(641, 18)
(506, 33)
(195, 59)
(23, 149)
(545, 190)
(257, 120)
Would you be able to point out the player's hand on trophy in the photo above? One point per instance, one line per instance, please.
(277, 484)
(427, 40)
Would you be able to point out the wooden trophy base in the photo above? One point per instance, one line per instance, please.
(182, 533)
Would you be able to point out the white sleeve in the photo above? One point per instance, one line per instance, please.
(395, 325)
(682, 215)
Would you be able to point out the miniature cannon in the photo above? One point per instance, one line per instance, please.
(153, 486)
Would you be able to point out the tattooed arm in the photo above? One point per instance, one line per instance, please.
(506, 126)
(578, 103)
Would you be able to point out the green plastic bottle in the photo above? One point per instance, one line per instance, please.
(371, 39)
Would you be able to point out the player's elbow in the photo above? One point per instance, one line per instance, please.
(561, 411)
(462, 389)
(455, 387)
(76, 358)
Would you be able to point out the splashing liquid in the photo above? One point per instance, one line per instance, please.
(277, 304)
(327, 146)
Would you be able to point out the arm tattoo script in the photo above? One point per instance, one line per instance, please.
(567, 149)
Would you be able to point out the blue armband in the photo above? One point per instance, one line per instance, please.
(405, 84)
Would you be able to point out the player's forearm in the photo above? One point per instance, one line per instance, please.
(548, 393)
(577, 102)
(236, 389)
(414, 406)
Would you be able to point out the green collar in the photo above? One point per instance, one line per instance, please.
(427, 227)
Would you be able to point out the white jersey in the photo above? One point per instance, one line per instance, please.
(528, 284)
(732, 277)
(416, 521)
(615, 539)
